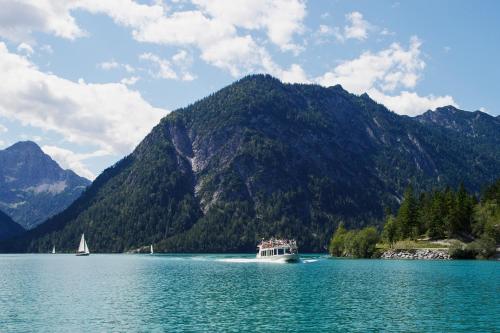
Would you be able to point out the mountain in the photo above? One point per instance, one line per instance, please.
(478, 125)
(261, 158)
(33, 187)
(8, 228)
(467, 122)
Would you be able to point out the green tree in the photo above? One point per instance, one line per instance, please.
(407, 218)
(435, 224)
(354, 243)
(364, 242)
(487, 220)
(463, 212)
(337, 242)
(390, 231)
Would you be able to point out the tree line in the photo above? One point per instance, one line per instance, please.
(438, 214)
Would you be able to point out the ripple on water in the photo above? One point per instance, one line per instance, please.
(240, 293)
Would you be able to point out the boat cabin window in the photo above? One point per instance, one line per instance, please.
(281, 251)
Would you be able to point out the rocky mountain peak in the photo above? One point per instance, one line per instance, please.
(33, 186)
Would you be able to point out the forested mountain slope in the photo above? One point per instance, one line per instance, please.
(261, 158)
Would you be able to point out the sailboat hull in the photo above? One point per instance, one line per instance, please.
(82, 254)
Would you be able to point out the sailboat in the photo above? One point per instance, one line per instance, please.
(83, 249)
(151, 249)
(54, 250)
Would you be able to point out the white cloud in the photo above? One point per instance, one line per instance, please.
(223, 33)
(130, 81)
(410, 103)
(176, 68)
(128, 68)
(112, 64)
(210, 25)
(3, 129)
(382, 73)
(386, 70)
(387, 32)
(25, 48)
(358, 28)
(213, 29)
(295, 74)
(163, 66)
(108, 65)
(183, 60)
(325, 30)
(109, 115)
(281, 19)
(68, 159)
(20, 18)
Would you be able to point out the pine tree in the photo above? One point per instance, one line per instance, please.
(407, 219)
(436, 221)
(463, 212)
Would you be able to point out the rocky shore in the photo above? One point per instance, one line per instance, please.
(420, 254)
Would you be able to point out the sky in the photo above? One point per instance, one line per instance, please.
(88, 79)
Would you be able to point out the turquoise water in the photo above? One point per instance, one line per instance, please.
(217, 293)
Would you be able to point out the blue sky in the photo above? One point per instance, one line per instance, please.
(87, 79)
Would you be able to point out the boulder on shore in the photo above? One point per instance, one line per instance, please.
(419, 254)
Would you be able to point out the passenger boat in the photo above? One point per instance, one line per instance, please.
(278, 250)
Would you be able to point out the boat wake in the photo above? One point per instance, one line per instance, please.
(235, 260)
(308, 261)
(270, 261)
(251, 260)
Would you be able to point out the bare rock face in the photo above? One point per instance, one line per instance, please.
(33, 187)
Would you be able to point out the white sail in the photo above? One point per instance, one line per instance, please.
(151, 249)
(54, 250)
(86, 247)
(83, 249)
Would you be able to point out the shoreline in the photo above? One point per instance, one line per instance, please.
(417, 254)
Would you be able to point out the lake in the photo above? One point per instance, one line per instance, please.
(234, 293)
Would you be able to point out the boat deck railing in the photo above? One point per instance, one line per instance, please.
(291, 243)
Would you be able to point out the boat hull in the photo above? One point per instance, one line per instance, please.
(82, 254)
(281, 258)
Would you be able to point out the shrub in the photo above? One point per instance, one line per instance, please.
(459, 250)
(354, 243)
(482, 248)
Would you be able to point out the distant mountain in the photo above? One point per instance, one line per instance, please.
(478, 125)
(261, 158)
(33, 187)
(8, 228)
